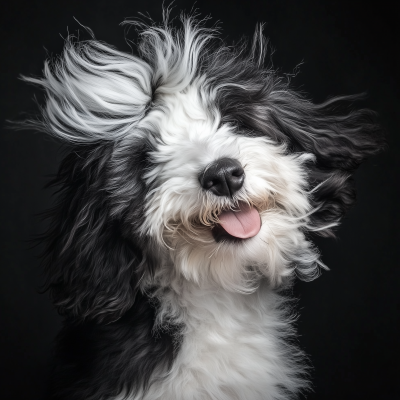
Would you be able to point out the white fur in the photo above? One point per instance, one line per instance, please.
(94, 93)
(232, 347)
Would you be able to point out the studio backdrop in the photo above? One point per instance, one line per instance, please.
(348, 318)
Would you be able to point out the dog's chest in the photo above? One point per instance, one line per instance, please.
(230, 348)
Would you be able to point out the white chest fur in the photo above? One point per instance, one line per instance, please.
(232, 347)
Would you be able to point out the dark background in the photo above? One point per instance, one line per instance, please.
(349, 323)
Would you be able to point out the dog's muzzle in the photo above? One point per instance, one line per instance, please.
(225, 177)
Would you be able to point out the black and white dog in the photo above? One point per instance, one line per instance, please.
(194, 180)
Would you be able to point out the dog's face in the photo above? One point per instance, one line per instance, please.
(191, 160)
(222, 204)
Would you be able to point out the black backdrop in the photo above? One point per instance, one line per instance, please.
(349, 323)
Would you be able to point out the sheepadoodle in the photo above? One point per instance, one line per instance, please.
(195, 179)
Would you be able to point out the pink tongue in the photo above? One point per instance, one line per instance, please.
(244, 223)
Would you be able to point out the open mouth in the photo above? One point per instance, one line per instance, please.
(241, 223)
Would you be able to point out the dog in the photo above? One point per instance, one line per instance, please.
(195, 180)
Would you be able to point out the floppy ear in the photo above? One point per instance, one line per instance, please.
(339, 138)
(95, 97)
(92, 266)
(93, 93)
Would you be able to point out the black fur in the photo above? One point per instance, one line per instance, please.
(94, 264)
(92, 269)
(100, 361)
(258, 102)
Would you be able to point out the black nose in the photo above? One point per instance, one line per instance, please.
(223, 177)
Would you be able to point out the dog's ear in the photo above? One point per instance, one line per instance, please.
(95, 98)
(93, 267)
(93, 93)
(340, 139)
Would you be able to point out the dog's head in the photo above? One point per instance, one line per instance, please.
(191, 159)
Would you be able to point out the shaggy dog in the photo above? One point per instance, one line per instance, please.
(195, 178)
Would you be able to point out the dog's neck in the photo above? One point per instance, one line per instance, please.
(207, 304)
(223, 331)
